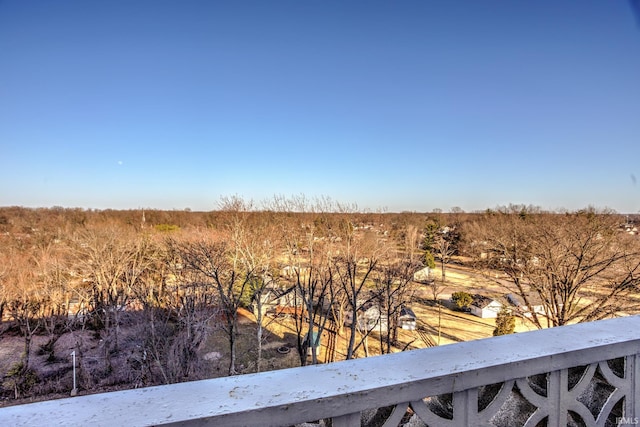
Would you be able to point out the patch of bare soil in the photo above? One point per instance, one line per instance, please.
(274, 337)
(54, 369)
(97, 370)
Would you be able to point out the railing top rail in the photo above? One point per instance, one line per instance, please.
(290, 396)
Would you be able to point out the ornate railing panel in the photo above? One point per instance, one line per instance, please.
(579, 375)
(592, 395)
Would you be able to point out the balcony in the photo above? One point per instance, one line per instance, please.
(582, 375)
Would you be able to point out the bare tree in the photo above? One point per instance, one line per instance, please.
(313, 284)
(5, 272)
(54, 277)
(186, 304)
(25, 308)
(445, 248)
(24, 304)
(309, 232)
(393, 281)
(217, 265)
(352, 269)
(255, 240)
(577, 265)
(159, 298)
(441, 240)
(411, 241)
(314, 288)
(105, 258)
(437, 287)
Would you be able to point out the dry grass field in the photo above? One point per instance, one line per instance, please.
(436, 325)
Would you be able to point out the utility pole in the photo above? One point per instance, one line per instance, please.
(74, 391)
(439, 321)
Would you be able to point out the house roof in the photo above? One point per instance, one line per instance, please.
(406, 311)
(482, 301)
(514, 300)
(517, 300)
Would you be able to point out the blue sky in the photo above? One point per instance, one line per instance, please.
(409, 105)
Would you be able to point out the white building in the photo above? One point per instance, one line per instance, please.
(422, 276)
(485, 307)
(369, 319)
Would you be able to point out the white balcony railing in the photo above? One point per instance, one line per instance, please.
(586, 374)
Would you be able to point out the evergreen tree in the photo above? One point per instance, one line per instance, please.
(505, 323)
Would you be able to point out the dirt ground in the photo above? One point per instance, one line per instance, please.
(56, 375)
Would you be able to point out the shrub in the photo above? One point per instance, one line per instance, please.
(462, 299)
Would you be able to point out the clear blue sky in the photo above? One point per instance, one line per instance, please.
(408, 105)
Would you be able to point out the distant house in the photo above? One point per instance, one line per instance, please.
(422, 276)
(407, 319)
(281, 300)
(535, 304)
(485, 307)
(369, 319)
